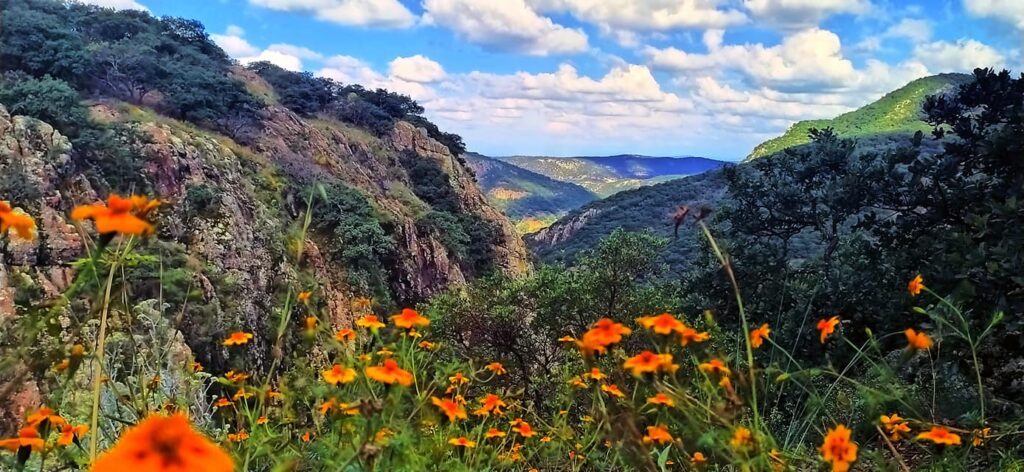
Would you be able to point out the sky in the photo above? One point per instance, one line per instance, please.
(596, 77)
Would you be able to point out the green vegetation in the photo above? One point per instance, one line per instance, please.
(608, 175)
(898, 115)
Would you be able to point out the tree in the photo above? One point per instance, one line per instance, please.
(51, 100)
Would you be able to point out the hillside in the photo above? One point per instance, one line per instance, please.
(530, 199)
(893, 116)
(606, 175)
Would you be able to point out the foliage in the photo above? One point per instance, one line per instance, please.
(520, 193)
(50, 100)
(608, 175)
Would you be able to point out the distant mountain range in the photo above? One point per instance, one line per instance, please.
(889, 121)
(606, 175)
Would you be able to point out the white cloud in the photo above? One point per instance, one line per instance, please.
(234, 30)
(234, 44)
(961, 56)
(505, 25)
(371, 13)
(416, 69)
(1010, 11)
(296, 51)
(797, 14)
(116, 4)
(914, 30)
(280, 59)
(648, 15)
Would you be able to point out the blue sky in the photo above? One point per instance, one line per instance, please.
(590, 77)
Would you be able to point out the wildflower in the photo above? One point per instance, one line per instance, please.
(427, 345)
(236, 377)
(577, 382)
(462, 441)
(663, 324)
(238, 338)
(915, 285)
(371, 322)
(894, 425)
(390, 373)
(345, 334)
(197, 367)
(361, 303)
(494, 433)
(838, 450)
(689, 335)
(725, 383)
(339, 375)
(587, 419)
(28, 439)
(496, 368)
(596, 374)
(491, 403)
(119, 215)
(165, 444)
(612, 390)
(385, 352)
(450, 408)
(271, 394)
(458, 379)
(661, 399)
(69, 434)
(979, 436)
(649, 362)
(242, 394)
(10, 219)
(545, 439)
(238, 437)
(741, 439)
(261, 420)
(326, 406)
(304, 296)
(715, 366)
(827, 327)
(364, 357)
(778, 463)
(523, 428)
(382, 435)
(758, 335)
(567, 339)
(413, 334)
(698, 458)
(62, 365)
(222, 402)
(306, 437)
(311, 323)
(657, 434)
(918, 341)
(604, 334)
(409, 318)
(44, 416)
(940, 435)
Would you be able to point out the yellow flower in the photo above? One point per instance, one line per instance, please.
(370, 321)
(458, 379)
(462, 441)
(311, 322)
(979, 436)
(940, 435)
(242, 394)
(577, 382)
(596, 374)
(339, 375)
(496, 367)
(894, 425)
(838, 449)
(758, 335)
(742, 438)
(612, 390)
(915, 285)
(238, 338)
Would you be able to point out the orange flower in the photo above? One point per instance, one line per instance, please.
(612, 390)
(390, 373)
(450, 408)
(940, 435)
(304, 296)
(69, 434)
(261, 420)
(689, 335)
(371, 322)
(346, 334)
(604, 334)
(522, 428)
(458, 379)
(698, 458)
(827, 327)
(895, 426)
(238, 338)
(649, 362)
(714, 366)
(242, 394)
(339, 375)
(222, 402)
(918, 341)
(238, 437)
(28, 437)
(306, 437)
(409, 318)
(271, 394)
(741, 439)
(23, 225)
(663, 324)
(427, 345)
(462, 441)
(311, 323)
(496, 367)
(577, 382)
(490, 403)
(596, 374)
(758, 335)
(838, 450)
(567, 339)
(915, 285)
(44, 415)
(657, 434)
(236, 376)
(119, 215)
(661, 399)
(979, 436)
(165, 444)
(494, 433)
(197, 367)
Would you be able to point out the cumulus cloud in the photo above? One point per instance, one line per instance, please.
(797, 14)
(963, 55)
(649, 15)
(506, 25)
(285, 56)
(416, 69)
(1010, 11)
(295, 51)
(116, 4)
(370, 13)
(234, 44)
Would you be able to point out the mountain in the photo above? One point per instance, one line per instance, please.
(893, 116)
(606, 175)
(530, 199)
